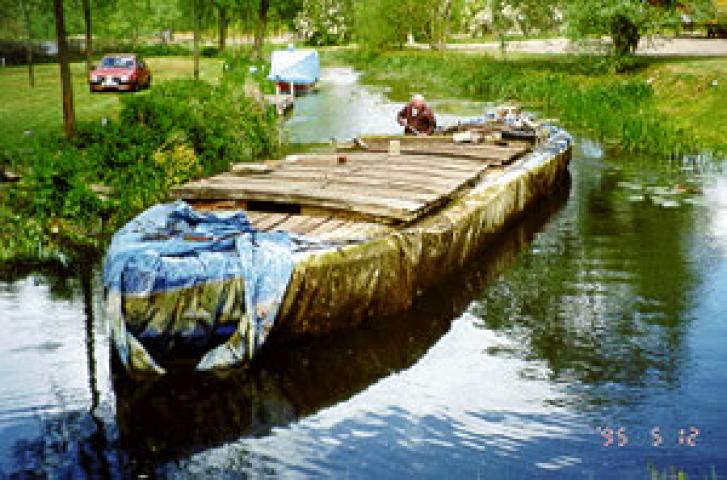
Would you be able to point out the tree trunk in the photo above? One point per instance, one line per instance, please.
(222, 41)
(625, 35)
(195, 19)
(69, 121)
(262, 23)
(28, 44)
(87, 25)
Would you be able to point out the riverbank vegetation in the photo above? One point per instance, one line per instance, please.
(660, 107)
(74, 193)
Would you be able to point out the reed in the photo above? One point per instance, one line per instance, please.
(584, 93)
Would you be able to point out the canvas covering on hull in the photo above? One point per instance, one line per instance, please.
(294, 66)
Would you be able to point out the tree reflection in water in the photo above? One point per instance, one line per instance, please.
(603, 296)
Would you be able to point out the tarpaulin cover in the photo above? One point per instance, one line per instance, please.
(175, 276)
(300, 67)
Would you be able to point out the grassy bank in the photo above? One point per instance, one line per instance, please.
(659, 107)
(38, 110)
(74, 194)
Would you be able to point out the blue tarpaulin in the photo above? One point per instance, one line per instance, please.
(299, 67)
(188, 272)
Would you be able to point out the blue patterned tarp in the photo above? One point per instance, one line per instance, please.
(186, 269)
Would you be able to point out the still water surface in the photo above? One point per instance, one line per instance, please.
(604, 308)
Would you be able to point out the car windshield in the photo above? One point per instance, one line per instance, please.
(117, 62)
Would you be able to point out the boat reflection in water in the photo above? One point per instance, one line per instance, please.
(179, 414)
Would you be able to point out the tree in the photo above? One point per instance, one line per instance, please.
(260, 30)
(324, 22)
(223, 24)
(195, 20)
(87, 29)
(382, 23)
(28, 43)
(624, 21)
(69, 120)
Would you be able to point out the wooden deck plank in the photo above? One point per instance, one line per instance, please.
(410, 178)
(270, 221)
(401, 170)
(437, 162)
(330, 225)
(301, 223)
(444, 145)
(370, 179)
(313, 222)
(432, 171)
(385, 187)
(331, 186)
(395, 209)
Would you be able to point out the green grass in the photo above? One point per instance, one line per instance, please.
(38, 109)
(683, 91)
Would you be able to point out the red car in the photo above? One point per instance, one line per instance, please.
(120, 73)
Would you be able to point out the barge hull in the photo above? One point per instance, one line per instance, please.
(383, 276)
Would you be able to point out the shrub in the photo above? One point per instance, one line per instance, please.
(178, 131)
(162, 50)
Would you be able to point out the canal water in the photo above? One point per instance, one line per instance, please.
(588, 341)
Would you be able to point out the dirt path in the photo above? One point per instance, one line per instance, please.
(666, 47)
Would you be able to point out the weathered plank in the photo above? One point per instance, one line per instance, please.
(269, 221)
(366, 186)
(461, 151)
(335, 185)
(383, 160)
(380, 208)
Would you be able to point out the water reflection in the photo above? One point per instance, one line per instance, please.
(604, 297)
(54, 402)
(178, 415)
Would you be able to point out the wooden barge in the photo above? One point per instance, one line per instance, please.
(387, 219)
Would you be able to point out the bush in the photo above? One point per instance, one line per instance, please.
(162, 50)
(178, 131)
(209, 51)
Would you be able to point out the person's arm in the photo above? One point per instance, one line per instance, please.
(401, 117)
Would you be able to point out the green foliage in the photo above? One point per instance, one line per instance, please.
(325, 22)
(160, 50)
(178, 131)
(242, 69)
(611, 108)
(382, 23)
(209, 51)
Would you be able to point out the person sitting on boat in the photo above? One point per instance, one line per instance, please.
(416, 117)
